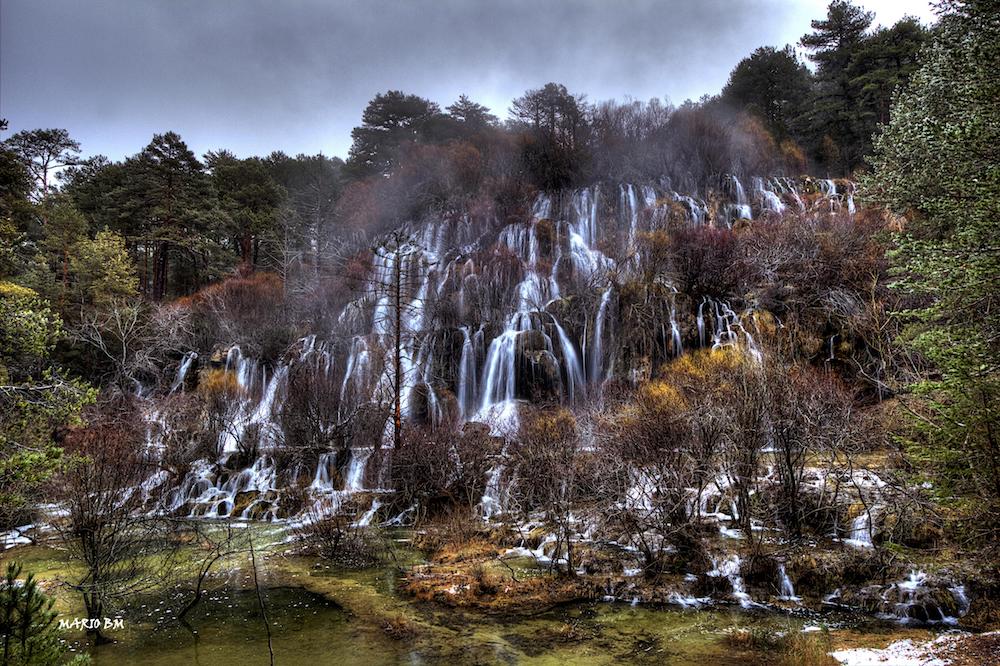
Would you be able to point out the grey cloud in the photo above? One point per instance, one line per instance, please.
(254, 76)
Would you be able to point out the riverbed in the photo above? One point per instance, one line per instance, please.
(319, 614)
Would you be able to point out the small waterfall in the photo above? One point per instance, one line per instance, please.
(742, 203)
(357, 371)
(631, 206)
(574, 370)
(182, 370)
(701, 323)
(354, 479)
(770, 201)
(597, 350)
(729, 568)
(466, 373)
(498, 372)
(675, 332)
(785, 588)
(861, 531)
(322, 480)
(490, 504)
(908, 591)
(366, 519)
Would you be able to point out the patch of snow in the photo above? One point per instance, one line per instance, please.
(901, 653)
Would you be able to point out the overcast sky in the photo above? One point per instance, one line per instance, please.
(255, 76)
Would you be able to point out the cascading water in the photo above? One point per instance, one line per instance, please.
(742, 206)
(770, 201)
(786, 591)
(514, 299)
(596, 373)
(182, 370)
(729, 568)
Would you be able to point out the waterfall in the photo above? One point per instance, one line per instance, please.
(742, 203)
(355, 477)
(785, 588)
(770, 201)
(356, 373)
(182, 370)
(675, 331)
(574, 370)
(861, 531)
(597, 350)
(490, 505)
(630, 205)
(701, 322)
(729, 568)
(466, 373)
(498, 373)
(322, 479)
(369, 515)
(534, 295)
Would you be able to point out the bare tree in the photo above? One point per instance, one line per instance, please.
(550, 476)
(648, 441)
(107, 494)
(213, 543)
(747, 435)
(402, 313)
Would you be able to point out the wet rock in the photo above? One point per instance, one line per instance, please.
(712, 586)
(421, 407)
(538, 377)
(243, 500)
(760, 573)
(531, 341)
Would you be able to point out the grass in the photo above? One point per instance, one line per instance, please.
(785, 648)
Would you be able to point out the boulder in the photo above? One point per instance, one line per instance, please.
(538, 378)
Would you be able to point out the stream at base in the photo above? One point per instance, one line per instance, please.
(308, 629)
(320, 614)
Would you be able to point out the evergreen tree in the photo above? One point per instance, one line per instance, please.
(103, 270)
(28, 634)
(312, 185)
(472, 115)
(175, 196)
(15, 188)
(66, 228)
(35, 398)
(42, 152)
(937, 162)
(556, 134)
(884, 61)
(832, 114)
(390, 120)
(771, 84)
(250, 198)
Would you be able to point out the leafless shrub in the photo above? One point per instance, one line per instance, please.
(123, 548)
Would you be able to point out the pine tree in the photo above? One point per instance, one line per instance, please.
(471, 114)
(28, 634)
(833, 43)
(771, 84)
(389, 121)
(937, 162)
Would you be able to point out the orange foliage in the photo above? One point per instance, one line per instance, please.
(259, 287)
(794, 156)
(218, 383)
